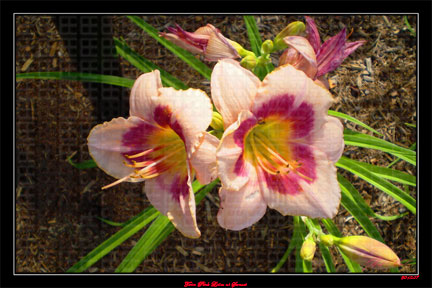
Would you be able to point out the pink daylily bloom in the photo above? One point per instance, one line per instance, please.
(163, 142)
(316, 60)
(206, 40)
(279, 146)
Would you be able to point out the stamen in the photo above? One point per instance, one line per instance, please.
(144, 152)
(278, 157)
(117, 182)
(271, 170)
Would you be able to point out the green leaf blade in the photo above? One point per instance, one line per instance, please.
(253, 34)
(352, 119)
(367, 141)
(146, 66)
(76, 76)
(400, 195)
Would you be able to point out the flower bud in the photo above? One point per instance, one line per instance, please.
(217, 122)
(307, 250)
(368, 252)
(327, 239)
(240, 50)
(267, 47)
(249, 62)
(293, 29)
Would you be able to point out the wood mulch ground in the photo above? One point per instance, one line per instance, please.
(57, 205)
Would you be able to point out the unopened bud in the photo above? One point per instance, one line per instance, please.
(368, 252)
(249, 62)
(293, 29)
(327, 239)
(307, 250)
(217, 122)
(241, 51)
(267, 47)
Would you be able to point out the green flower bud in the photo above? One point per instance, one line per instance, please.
(293, 29)
(267, 47)
(249, 62)
(307, 250)
(217, 122)
(242, 52)
(328, 240)
(368, 252)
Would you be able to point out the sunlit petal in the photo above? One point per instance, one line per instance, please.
(330, 139)
(143, 91)
(172, 195)
(241, 208)
(204, 159)
(233, 89)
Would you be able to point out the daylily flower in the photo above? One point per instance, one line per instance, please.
(316, 60)
(368, 252)
(206, 40)
(279, 146)
(163, 142)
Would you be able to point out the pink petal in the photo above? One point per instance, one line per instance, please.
(350, 47)
(312, 34)
(182, 43)
(323, 82)
(144, 91)
(232, 168)
(302, 45)
(233, 89)
(172, 195)
(204, 159)
(191, 114)
(330, 139)
(287, 82)
(319, 198)
(106, 144)
(218, 47)
(330, 56)
(241, 208)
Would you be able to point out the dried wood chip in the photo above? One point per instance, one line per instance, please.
(53, 49)
(202, 267)
(26, 64)
(182, 251)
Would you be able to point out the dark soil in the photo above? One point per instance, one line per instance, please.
(57, 204)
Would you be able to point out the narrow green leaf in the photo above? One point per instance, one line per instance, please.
(253, 34)
(115, 240)
(349, 191)
(112, 223)
(81, 165)
(186, 56)
(361, 217)
(147, 66)
(378, 182)
(352, 119)
(293, 243)
(76, 76)
(411, 125)
(390, 174)
(328, 261)
(331, 227)
(154, 235)
(367, 141)
(412, 147)
(160, 229)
